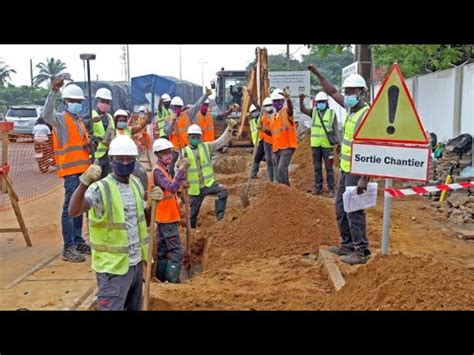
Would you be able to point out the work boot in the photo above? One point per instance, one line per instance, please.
(83, 248)
(220, 208)
(342, 250)
(172, 272)
(254, 172)
(193, 222)
(161, 270)
(331, 194)
(72, 255)
(356, 257)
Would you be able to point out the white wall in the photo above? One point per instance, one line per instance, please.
(467, 106)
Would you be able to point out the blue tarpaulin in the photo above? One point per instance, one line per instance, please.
(147, 89)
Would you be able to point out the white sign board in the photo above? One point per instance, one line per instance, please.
(398, 162)
(297, 82)
(350, 69)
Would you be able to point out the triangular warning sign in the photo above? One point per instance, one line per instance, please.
(392, 117)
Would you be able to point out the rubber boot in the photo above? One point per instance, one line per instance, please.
(271, 175)
(161, 270)
(220, 208)
(193, 222)
(255, 168)
(172, 272)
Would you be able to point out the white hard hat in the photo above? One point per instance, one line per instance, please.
(252, 108)
(177, 101)
(123, 145)
(354, 81)
(73, 92)
(276, 96)
(120, 112)
(267, 102)
(194, 129)
(162, 144)
(166, 97)
(103, 93)
(142, 109)
(321, 96)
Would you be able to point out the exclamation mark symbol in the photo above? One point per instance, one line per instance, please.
(393, 92)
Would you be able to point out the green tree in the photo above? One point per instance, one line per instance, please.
(5, 72)
(50, 70)
(278, 62)
(22, 95)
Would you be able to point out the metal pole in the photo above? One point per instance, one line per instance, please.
(31, 71)
(180, 73)
(90, 90)
(128, 64)
(288, 57)
(387, 205)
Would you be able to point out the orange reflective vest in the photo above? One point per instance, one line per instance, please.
(167, 210)
(207, 126)
(71, 158)
(283, 131)
(179, 134)
(265, 124)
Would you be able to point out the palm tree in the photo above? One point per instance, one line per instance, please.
(5, 72)
(50, 71)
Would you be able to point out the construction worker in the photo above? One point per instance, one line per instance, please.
(72, 149)
(354, 247)
(101, 120)
(162, 113)
(321, 147)
(177, 124)
(117, 227)
(205, 119)
(170, 251)
(254, 120)
(283, 130)
(200, 174)
(236, 95)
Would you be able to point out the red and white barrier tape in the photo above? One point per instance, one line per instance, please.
(391, 192)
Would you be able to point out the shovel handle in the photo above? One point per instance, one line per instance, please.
(151, 245)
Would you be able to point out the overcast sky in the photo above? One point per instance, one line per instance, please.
(144, 59)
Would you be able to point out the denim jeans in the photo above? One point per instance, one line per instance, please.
(71, 227)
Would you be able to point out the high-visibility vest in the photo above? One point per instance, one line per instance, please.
(108, 235)
(167, 210)
(99, 131)
(179, 135)
(207, 171)
(71, 158)
(265, 124)
(349, 128)
(206, 122)
(318, 136)
(254, 131)
(160, 120)
(283, 131)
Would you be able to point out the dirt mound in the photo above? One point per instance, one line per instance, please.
(281, 221)
(402, 282)
(229, 164)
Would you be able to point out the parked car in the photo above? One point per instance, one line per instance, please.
(24, 118)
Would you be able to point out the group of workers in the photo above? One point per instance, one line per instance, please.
(111, 191)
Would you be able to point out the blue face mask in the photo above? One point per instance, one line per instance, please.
(350, 100)
(321, 106)
(121, 169)
(255, 114)
(121, 125)
(74, 107)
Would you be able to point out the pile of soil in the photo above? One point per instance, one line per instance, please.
(281, 221)
(402, 282)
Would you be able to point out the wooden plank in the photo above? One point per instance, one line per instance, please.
(16, 208)
(89, 301)
(10, 230)
(333, 270)
(4, 159)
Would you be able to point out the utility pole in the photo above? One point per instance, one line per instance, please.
(363, 55)
(288, 57)
(180, 73)
(31, 71)
(202, 74)
(128, 63)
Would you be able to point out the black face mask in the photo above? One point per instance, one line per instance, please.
(121, 169)
(167, 105)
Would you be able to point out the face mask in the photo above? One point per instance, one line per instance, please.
(176, 110)
(194, 141)
(167, 105)
(254, 114)
(350, 100)
(321, 106)
(103, 107)
(268, 108)
(166, 159)
(121, 125)
(74, 107)
(203, 110)
(278, 106)
(122, 170)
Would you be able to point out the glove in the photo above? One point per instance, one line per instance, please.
(182, 163)
(92, 174)
(208, 91)
(286, 93)
(231, 123)
(156, 193)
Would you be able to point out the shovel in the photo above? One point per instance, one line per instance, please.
(244, 197)
(151, 246)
